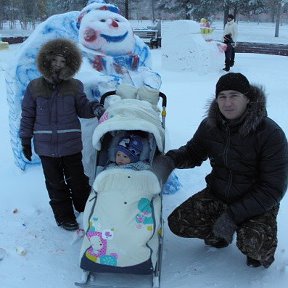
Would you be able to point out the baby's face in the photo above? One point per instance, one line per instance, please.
(122, 158)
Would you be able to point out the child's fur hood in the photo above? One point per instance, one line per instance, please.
(64, 47)
(256, 111)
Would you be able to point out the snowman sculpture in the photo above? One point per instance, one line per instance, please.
(110, 47)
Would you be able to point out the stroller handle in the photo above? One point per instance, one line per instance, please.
(109, 93)
(105, 95)
(164, 99)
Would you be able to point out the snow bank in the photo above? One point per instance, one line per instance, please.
(184, 48)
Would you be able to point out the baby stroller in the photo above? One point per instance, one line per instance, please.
(123, 216)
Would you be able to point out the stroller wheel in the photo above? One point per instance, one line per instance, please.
(85, 275)
(156, 282)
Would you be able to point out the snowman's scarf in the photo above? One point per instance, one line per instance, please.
(111, 65)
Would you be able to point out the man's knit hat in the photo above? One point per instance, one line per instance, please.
(131, 146)
(233, 81)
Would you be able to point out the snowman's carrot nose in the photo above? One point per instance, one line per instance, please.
(114, 24)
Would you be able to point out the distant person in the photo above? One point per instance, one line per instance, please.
(206, 29)
(50, 110)
(228, 52)
(157, 26)
(205, 26)
(231, 28)
(248, 154)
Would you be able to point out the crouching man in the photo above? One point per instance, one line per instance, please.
(249, 158)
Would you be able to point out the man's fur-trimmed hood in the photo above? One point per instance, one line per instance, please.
(63, 47)
(255, 113)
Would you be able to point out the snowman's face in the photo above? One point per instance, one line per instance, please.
(106, 32)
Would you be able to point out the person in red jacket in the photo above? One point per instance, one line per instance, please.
(248, 153)
(51, 108)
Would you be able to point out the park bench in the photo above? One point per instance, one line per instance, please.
(14, 39)
(262, 48)
(149, 36)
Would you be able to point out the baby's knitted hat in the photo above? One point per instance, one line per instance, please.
(132, 146)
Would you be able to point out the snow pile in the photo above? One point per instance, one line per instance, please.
(184, 48)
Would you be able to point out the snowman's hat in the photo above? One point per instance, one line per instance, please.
(96, 5)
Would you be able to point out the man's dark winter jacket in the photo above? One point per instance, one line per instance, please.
(249, 158)
(50, 109)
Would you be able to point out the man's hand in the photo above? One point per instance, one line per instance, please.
(224, 227)
(99, 111)
(163, 166)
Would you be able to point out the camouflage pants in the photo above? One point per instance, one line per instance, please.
(194, 218)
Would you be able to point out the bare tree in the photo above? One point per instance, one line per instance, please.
(127, 9)
(153, 10)
(278, 16)
(280, 6)
(12, 13)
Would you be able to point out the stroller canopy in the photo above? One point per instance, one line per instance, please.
(130, 114)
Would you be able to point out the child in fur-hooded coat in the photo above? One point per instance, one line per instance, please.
(51, 108)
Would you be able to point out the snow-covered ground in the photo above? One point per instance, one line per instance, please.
(34, 252)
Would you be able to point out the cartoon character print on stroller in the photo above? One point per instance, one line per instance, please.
(123, 216)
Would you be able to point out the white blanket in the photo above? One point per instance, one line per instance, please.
(122, 224)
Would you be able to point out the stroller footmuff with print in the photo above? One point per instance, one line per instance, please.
(123, 216)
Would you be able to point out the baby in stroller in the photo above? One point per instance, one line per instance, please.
(128, 152)
(123, 215)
